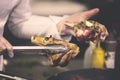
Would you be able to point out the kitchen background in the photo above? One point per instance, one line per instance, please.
(36, 67)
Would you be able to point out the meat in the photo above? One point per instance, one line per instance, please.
(84, 31)
(88, 30)
(57, 59)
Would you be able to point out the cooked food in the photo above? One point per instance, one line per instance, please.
(88, 30)
(57, 59)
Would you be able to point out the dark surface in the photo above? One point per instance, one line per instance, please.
(88, 74)
(10, 76)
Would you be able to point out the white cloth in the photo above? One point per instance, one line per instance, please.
(17, 15)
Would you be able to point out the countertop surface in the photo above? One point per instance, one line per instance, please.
(88, 74)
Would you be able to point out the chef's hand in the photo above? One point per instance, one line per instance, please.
(77, 17)
(5, 45)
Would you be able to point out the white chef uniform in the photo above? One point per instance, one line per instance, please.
(17, 15)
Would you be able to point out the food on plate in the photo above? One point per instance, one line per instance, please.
(88, 30)
(57, 59)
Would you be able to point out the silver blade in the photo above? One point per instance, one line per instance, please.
(12, 77)
(49, 49)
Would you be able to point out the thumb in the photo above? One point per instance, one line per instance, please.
(90, 13)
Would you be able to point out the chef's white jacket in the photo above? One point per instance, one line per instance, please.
(17, 15)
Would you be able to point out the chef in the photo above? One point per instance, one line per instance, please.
(18, 17)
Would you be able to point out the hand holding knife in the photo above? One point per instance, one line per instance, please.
(43, 49)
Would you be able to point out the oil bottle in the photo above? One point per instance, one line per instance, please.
(98, 56)
(88, 55)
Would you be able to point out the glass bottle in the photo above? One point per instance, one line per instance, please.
(110, 45)
(88, 55)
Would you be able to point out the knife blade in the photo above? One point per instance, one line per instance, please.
(11, 77)
(46, 49)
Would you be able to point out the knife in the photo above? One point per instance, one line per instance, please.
(12, 77)
(43, 49)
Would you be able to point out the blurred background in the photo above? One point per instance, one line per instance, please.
(35, 67)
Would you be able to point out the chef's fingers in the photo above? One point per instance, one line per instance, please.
(70, 31)
(6, 45)
(81, 16)
(2, 48)
(89, 13)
